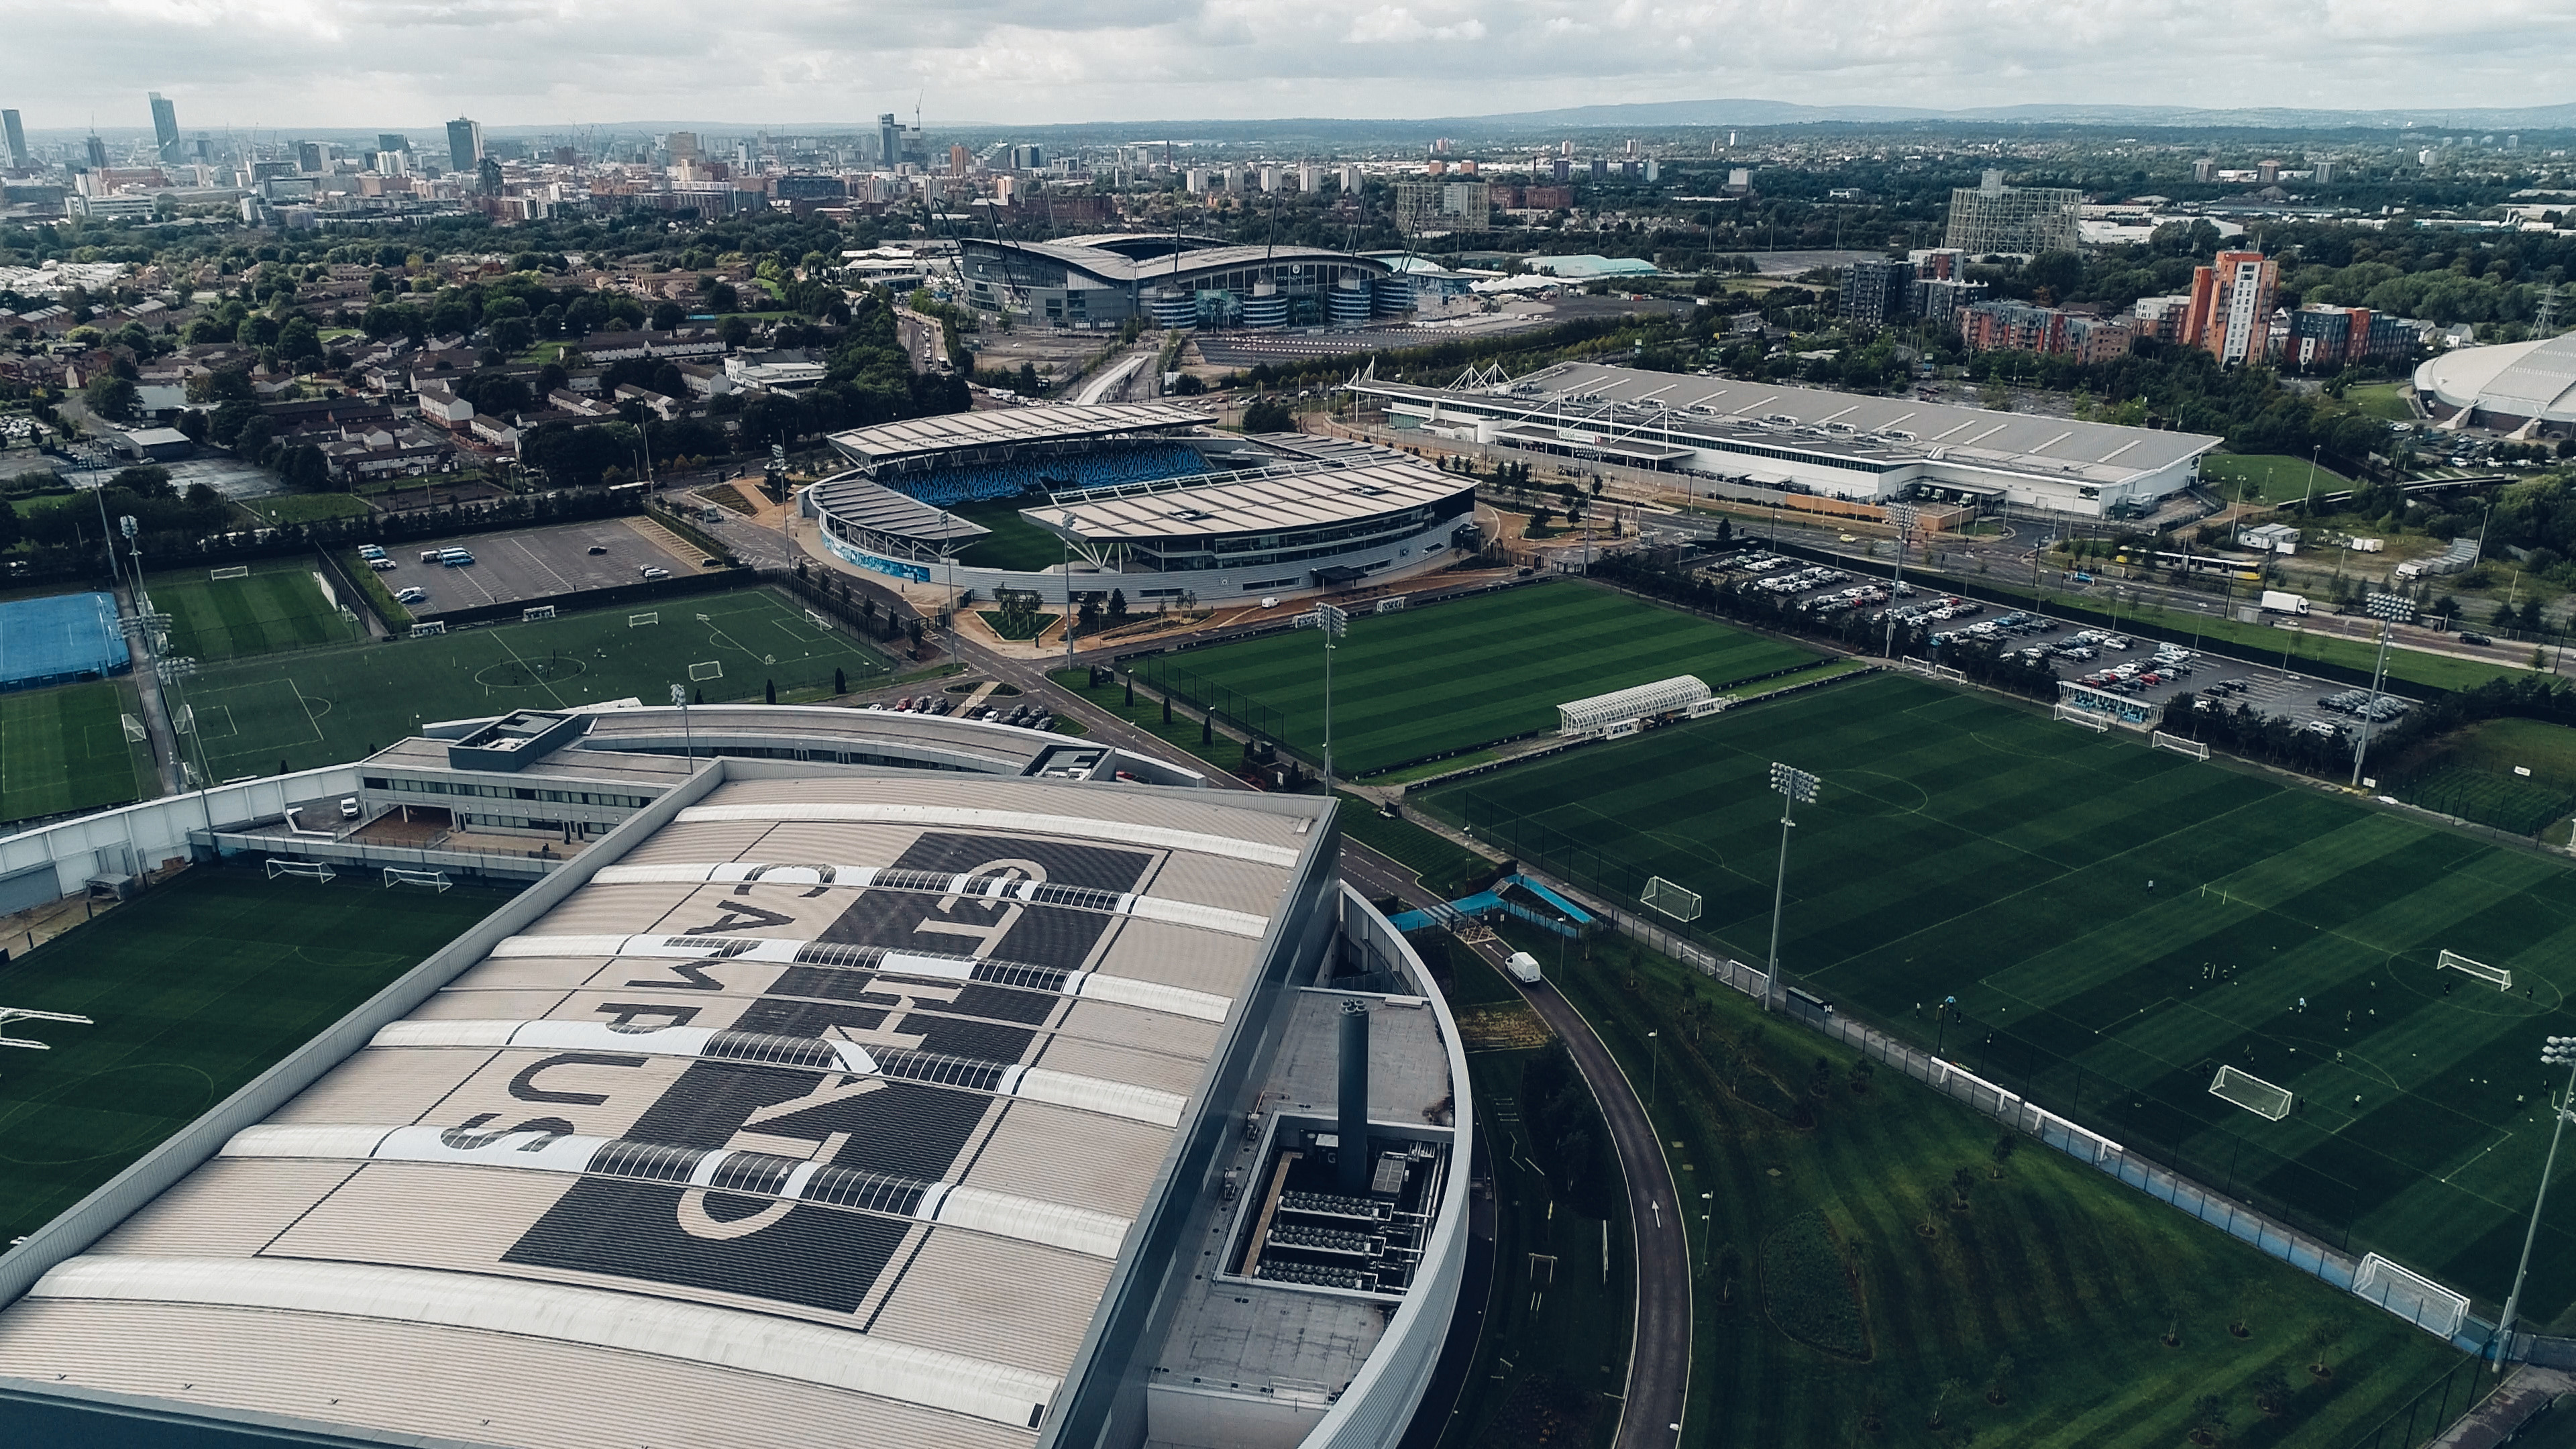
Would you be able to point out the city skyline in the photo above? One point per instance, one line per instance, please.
(1012, 62)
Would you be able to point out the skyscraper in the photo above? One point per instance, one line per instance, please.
(17, 139)
(97, 154)
(2231, 307)
(165, 128)
(464, 144)
(889, 140)
(392, 141)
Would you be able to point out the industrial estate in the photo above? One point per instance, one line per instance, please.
(1664, 777)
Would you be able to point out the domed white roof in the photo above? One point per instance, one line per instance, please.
(2519, 379)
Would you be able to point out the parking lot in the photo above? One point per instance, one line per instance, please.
(2115, 666)
(533, 565)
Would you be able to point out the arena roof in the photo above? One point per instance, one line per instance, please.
(1290, 498)
(2518, 379)
(1122, 270)
(920, 438)
(823, 1109)
(850, 496)
(1618, 404)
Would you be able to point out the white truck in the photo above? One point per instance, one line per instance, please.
(2277, 602)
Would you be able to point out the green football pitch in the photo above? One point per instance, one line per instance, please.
(65, 749)
(280, 605)
(196, 988)
(2114, 924)
(319, 707)
(1451, 676)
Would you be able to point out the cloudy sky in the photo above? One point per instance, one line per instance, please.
(391, 63)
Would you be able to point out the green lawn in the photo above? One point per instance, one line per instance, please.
(1453, 676)
(323, 706)
(2268, 477)
(196, 987)
(1014, 543)
(1446, 869)
(306, 507)
(65, 749)
(281, 605)
(2383, 400)
(1218, 751)
(2055, 1285)
(1966, 847)
(2471, 773)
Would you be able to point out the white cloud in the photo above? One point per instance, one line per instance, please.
(393, 63)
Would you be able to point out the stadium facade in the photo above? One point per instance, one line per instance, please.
(1178, 281)
(1146, 502)
(978, 1095)
(1871, 449)
(2525, 388)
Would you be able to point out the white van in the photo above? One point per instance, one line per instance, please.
(655, 573)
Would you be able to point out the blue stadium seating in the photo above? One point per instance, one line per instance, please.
(948, 487)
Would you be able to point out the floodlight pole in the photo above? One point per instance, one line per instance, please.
(689, 742)
(2378, 677)
(1708, 1206)
(1902, 514)
(1332, 622)
(2558, 1050)
(1794, 786)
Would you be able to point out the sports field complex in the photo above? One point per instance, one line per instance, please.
(2103, 926)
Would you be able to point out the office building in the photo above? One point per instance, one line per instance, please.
(1027, 158)
(1994, 219)
(960, 161)
(2230, 312)
(1427, 206)
(889, 141)
(17, 139)
(96, 150)
(165, 128)
(392, 141)
(1875, 291)
(2321, 338)
(683, 145)
(464, 144)
(2204, 171)
(312, 157)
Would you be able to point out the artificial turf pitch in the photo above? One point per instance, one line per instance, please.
(281, 605)
(1963, 847)
(1467, 672)
(64, 749)
(323, 706)
(196, 987)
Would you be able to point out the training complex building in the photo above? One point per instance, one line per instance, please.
(1148, 502)
(880, 1080)
(2527, 389)
(1178, 280)
(1839, 444)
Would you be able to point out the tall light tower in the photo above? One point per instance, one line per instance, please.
(2378, 677)
(1903, 516)
(688, 740)
(1333, 622)
(2557, 1051)
(1796, 788)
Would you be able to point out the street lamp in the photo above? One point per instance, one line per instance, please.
(1708, 1206)
(1655, 1070)
(2557, 1051)
(1796, 788)
(1333, 622)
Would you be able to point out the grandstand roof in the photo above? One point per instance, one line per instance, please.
(1288, 499)
(825, 1107)
(851, 497)
(1123, 270)
(918, 439)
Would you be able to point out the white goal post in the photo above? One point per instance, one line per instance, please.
(434, 879)
(817, 620)
(1672, 900)
(133, 728)
(2410, 1295)
(2252, 1093)
(2497, 976)
(423, 631)
(638, 621)
(541, 611)
(2084, 717)
(2176, 743)
(712, 669)
(237, 571)
(308, 869)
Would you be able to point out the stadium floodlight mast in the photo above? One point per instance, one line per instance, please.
(2378, 677)
(1903, 516)
(2557, 1051)
(1333, 622)
(688, 741)
(1796, 787)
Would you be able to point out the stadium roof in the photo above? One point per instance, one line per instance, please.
(2519, 379)
(918, 438)
(1625, 405)
(1290, 498)
(821, 1112)
(1122, 270)
(850, 496)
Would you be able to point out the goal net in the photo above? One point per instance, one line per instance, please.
(2180, 746)
(712, 669)
(2498, 976)
(434, 879)
(184, 719)
(638, 621)
(423, 631)
(2410, 1295)
(2251, 1093)
(237, 571)
(541, 611)
(133, 727)
(817, 620)
(307, 869)
(1672, 900)
(2085, 717)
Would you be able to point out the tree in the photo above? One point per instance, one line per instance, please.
(299, 340)
(1267, 416)
(840, 682)
(1117, 606)
(667, 316)
(111, 397)
(735, 331)
(771, 693)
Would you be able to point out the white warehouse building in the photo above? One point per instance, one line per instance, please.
(1846, 445)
